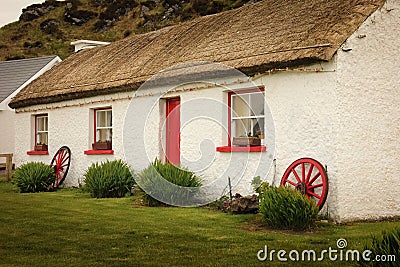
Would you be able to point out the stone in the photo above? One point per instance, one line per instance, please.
(244, 204)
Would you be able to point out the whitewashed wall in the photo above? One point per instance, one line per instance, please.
(70, 124)
(303, 103)
(368, 146)
(7, 132)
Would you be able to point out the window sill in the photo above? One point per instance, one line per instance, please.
(241, 149)
(99, 152)
(33, 152)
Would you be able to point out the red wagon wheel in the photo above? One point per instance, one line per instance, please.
(60, 163)
(309, 177)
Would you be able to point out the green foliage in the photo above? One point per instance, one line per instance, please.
(34, 177)
(172, 174)
(387, 244)
(109, 179)
(285, 208)
(256, 182)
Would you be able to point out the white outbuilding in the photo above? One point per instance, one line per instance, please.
(14, 76)
(304, 79)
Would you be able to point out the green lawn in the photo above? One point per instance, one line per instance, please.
(68, 228)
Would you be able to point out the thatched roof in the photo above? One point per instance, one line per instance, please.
(253, 38)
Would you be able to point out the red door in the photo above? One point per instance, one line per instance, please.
(173, 125)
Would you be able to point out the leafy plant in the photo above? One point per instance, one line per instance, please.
(388, 245)
(109, 179)
(285, 208)
(150, 181)
(34, 177)
(256, 182)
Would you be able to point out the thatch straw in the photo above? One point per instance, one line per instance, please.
(254, 38)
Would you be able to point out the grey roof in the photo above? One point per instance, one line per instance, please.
(15, 73)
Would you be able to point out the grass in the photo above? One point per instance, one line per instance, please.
(68, 228)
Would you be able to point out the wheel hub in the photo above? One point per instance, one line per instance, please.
(302, 187)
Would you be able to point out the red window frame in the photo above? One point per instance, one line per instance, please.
(35, 151)
(99, 151)
(95, 122)
(231, 148)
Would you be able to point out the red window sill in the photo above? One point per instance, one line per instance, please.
(99, 152)
(33, 152)
(241, 149)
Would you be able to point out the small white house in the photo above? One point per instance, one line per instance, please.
(14, 76)
(318, 79)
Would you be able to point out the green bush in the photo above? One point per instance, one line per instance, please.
(109, 179)
(387, 244)
(34, 177)
(172, 174)
(285, 208)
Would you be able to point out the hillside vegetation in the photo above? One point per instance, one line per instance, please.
(49, 28)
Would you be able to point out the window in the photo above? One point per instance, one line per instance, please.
(103, 129)
(247, 114)
(246, 121)
(41, 132)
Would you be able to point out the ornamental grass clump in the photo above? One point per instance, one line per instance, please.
(109, 179)
(286, 208)
(385, 248)
(177, 176)
(34, 177)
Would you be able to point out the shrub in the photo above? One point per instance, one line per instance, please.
(171, 173)
(34, 177)
(285, 208)
(387, 244)
(109, 179)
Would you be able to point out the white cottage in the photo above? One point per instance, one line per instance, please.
(319, 80)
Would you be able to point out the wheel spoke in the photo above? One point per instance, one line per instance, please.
(303, 172)
(292, 183)
(309, 173)
(315, 178)
(60, 156)
(66, 158)
(315, 186)
(310, 193)
(296, 175)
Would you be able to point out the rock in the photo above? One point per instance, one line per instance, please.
(246, 204)
(29, 15)
(78, 17)
(144, 11)
(49, 26)
(36, 44)
(35, 11)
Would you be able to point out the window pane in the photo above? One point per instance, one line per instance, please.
(246, 127)
(104, 135)
(241, 127)
(109, 119)
(103, 118)
(240, 106)
(258, 128)
(257, 104)
(42, 139)
(40, 124)
(45, 123)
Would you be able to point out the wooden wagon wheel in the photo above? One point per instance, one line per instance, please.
(60, 163)
(309, 177)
